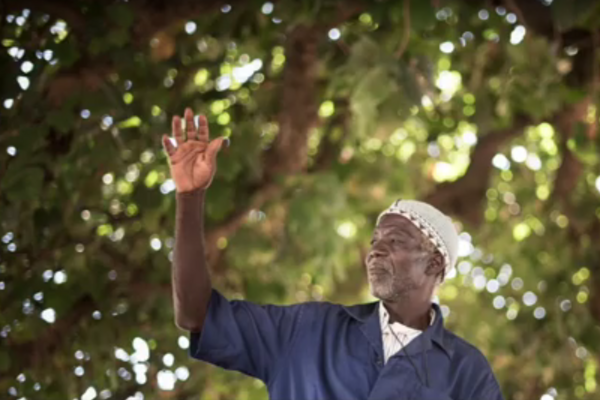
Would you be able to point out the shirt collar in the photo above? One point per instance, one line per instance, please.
(438, 333)
(368, 315)
(384, 318)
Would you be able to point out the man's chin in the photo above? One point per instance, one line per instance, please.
(381, 293)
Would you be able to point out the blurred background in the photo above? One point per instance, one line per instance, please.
(486, 109)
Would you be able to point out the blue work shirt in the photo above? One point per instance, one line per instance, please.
(324, 351)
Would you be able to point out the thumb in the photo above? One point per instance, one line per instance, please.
(168, 145)
(214, 147)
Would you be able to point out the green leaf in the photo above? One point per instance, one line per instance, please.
(569, 14)
(61, 119)
(67, 51)
(422, 15)
(373, 89)
(365, 53)
(4, 361)
(302, 236)
(23, 184)
(132, 122)
(118, 37)
(121, 14)
(98, 45)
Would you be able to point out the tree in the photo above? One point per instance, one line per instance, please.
(335, 109)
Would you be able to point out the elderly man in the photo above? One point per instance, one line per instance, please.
(396, 348)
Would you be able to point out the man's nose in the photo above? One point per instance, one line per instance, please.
(376, 251)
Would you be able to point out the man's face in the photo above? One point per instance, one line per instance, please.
(397, 263)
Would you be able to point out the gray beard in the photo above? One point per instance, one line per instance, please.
(390, 289)
(384, 289)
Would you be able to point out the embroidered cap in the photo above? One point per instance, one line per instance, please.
(434, 224)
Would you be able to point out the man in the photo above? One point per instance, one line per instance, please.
(393, 349)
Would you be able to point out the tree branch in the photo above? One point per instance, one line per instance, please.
(534, 15)
(297, 116)
(571, 168)
(330, 146)
(33, 353)
(464, 197)
(406, 33)
(345, 11)
(263, 193)
(298, 112)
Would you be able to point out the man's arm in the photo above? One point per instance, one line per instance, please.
(236, 335)
(193, 164)
(191, 280)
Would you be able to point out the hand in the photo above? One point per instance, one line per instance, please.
(193, 162)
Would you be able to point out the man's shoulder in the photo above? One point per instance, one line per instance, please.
(335, 310)
(315, 308)
(464, 350)
(322, 307)
(468, 359)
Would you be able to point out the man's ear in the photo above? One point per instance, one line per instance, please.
(435, 266)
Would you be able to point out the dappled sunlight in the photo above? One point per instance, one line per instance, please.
(476, 108)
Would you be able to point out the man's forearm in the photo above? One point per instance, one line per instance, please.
(190, 277)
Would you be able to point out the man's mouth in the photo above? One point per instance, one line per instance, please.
(378, 271)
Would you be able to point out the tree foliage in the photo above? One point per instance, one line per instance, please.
(488, 110)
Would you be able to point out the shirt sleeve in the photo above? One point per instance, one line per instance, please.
(246, 337)
(490, 392)
(488, 389)
(426, 393)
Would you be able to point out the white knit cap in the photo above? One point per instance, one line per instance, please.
(434, 224)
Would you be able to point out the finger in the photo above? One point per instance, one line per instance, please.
(176, 126)
(190, 126)
(202, 128)
(168, 145)
(214, 147)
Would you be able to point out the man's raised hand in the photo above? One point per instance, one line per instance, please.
(194, 161)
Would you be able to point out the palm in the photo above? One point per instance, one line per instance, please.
(193, 161)
(189, 166)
